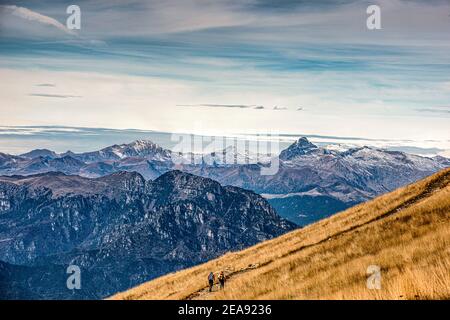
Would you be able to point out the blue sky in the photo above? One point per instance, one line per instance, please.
(225, 67)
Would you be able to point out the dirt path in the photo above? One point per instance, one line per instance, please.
(231, 275)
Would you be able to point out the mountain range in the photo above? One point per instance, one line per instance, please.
(120, 229)
(311, 183)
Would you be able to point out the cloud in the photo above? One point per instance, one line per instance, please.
(239, 106)
(45, 85)
(27, 14)
(234, 106)
(23, 23)
(44, 95)
(279, 108)
(438, 109)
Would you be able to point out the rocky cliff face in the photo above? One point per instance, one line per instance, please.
(122, 230)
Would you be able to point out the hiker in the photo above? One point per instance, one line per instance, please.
(211, 281)
(222, 280)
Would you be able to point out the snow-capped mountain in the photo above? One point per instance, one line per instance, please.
(45, 153)
(9, 162)
(120, 229)
(230, 156)
(442, 160)
(140, 148)
(299, 148)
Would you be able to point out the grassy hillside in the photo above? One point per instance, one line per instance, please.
(406, 233)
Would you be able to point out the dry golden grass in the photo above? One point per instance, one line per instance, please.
(405, 232)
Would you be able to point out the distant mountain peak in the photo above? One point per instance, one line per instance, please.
(138, 148)
(304, 142)
(300, 147)
(125, 180)
(122, 175)
(69, 159)
(137, 145)
(45, 153)
(143, 142)
(177, 184)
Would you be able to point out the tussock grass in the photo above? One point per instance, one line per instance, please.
(405, 232)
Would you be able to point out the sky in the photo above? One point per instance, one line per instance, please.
(230, 67)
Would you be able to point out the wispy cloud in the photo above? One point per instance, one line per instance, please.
(24, 23)
(235, 106)
(438, 109)
(232, 106)
(45, 95)
(29, 15)
(238, 106)
(45, 85)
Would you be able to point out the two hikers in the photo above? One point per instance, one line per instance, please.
(221, 279)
